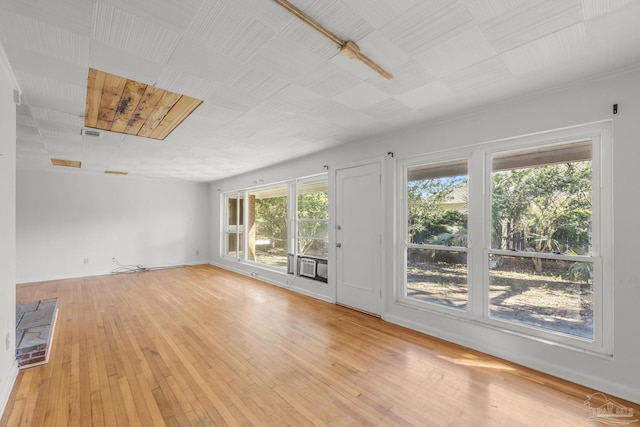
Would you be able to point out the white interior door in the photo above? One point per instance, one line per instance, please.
(358, 237)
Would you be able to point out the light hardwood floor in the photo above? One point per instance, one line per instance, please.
(203, 346)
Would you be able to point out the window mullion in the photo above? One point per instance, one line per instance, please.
(478, 286)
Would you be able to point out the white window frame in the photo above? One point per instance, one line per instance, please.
(289, 186)
(225, 225)
(292, 219)
(479, 231)
(401, 296)
(324, 177)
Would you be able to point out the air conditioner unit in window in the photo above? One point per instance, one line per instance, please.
(311, 267)
(308, 267)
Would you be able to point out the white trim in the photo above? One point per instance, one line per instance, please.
(5, 393)
(296, 220)
(400, 297)
(533, 362)
(7, 66)
(378, 159)
(279, 284)
(312, 179)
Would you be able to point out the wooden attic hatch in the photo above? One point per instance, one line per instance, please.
(120, 105)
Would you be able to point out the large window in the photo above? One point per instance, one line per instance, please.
(437, 202)
(515, 234)
(541, 263)
(275, 225)
(313, 215)
(234, 227)
(267, 235)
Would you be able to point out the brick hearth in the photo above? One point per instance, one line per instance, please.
(35, 321)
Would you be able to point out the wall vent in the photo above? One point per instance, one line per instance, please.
(91, 132)
(308, 267)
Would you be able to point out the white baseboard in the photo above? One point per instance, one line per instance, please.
(278, 283)
(8, 387)
(610, 388)
(104, 273)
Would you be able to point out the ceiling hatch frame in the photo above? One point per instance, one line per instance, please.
(121, 105)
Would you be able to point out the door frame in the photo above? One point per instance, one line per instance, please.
(333, 209)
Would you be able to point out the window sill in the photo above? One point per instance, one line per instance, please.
(523, 331)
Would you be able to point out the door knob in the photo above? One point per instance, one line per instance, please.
(338, 245)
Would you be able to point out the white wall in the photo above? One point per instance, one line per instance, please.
(65, 216)
(8, 365)
(580, 103)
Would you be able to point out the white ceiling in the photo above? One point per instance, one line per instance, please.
(273, 88)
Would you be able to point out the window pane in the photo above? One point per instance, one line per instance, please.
(235, 210)
(438, 204)
(267, 228)
(234, 242)
(437, 276)
(313, 200)
(234, 228)
(546, 293)
(313, 214)
(317, 229)
(541, 200)
(315, 248)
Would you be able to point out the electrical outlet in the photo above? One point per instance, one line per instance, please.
(7, 341)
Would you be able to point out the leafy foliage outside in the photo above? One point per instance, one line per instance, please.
(271, 221)
(431, 219)
(313, 212)
(544, 209)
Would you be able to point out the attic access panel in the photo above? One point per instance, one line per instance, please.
(121, 105)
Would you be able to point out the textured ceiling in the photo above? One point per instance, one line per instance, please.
(275, 89)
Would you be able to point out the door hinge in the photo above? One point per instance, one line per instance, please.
(380, 292)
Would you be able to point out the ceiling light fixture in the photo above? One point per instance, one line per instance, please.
(347, 47)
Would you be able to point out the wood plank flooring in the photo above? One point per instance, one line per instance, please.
(200, 346)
